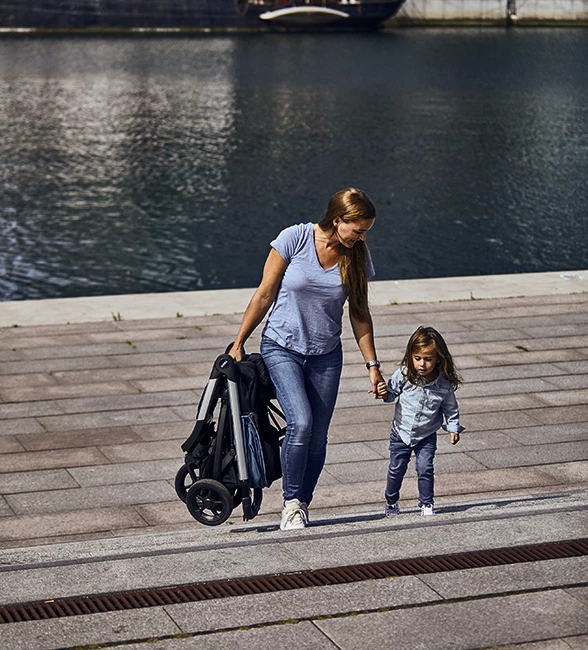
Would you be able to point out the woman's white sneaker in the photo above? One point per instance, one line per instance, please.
(294, 515)
(427, 510)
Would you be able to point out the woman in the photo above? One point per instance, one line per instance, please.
(310, 272)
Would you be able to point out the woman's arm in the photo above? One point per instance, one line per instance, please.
(261, 301)
(364, 335)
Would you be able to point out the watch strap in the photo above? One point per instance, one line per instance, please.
(371, 364)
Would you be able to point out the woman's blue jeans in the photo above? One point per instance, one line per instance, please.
(306, 388)
(400, 454)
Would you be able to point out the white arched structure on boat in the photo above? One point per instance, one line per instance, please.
(303, 16)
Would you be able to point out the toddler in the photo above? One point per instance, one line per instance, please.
(423, 388)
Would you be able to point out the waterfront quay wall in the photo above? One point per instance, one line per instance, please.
(491, 12)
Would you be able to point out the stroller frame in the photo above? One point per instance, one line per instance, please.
(215, 477)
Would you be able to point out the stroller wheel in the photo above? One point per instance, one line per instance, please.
(209, 502)
(257, 499)
(185, 478)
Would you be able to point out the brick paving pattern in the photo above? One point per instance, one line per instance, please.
(92, 415)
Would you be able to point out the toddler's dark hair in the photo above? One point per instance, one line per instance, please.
(423, 337)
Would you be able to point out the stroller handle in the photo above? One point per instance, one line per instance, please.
(225, 365)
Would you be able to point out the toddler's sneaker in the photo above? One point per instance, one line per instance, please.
(427, 510)
(392, 509)
(294, 515)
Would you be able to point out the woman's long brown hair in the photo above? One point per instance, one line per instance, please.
(350, 205)
(423, 337)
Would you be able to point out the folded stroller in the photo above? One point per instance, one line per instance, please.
(234, 448)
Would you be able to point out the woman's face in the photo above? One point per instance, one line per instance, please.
(348, 233)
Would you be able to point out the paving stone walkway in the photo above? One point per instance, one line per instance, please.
(92, 416)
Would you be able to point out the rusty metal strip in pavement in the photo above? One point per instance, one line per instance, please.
(156, 597)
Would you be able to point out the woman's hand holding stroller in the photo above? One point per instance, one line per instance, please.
(236, 352)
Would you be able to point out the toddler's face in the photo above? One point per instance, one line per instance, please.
(425, 362)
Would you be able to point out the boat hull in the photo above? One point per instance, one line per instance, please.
(174, 15)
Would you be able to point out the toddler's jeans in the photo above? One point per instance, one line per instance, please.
(400, 454)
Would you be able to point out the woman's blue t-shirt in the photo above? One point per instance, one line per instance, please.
(307, 315)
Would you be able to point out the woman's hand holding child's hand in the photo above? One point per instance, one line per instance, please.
(380, 391)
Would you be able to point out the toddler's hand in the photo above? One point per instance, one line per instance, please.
(454, 438)
(380, 391)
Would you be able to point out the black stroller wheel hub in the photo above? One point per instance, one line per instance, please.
(209, 502)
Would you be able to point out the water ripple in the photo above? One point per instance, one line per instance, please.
(146, 165)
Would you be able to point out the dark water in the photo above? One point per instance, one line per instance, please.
(147, 165)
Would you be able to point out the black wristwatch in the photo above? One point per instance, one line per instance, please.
(371, 364)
